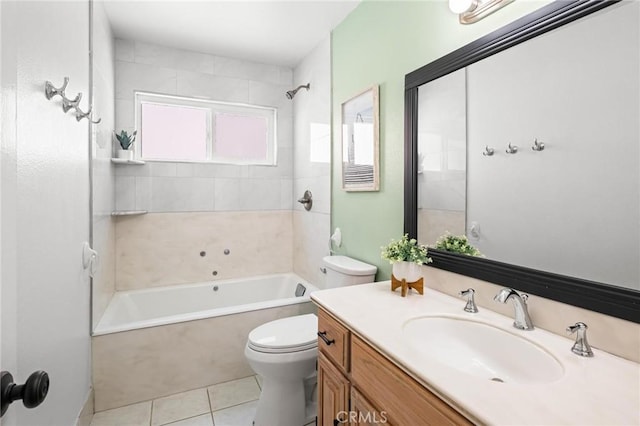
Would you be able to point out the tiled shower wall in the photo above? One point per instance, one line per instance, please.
(162, 249)
(180, 187)
(196, 207)
(311, 164)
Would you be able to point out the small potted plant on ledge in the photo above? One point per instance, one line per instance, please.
(407, 257)
(126, 140)
(456, 244)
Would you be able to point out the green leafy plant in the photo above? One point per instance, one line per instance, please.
(456, 244)
(407, 250)
(125, 139)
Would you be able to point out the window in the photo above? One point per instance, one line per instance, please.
(173, 128)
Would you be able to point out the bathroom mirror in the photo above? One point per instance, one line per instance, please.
(561, 218)
(360, 142)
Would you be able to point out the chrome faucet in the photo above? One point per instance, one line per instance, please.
(522, 320)
(581, 346)
(471, 303)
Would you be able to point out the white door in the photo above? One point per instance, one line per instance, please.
(44, 207)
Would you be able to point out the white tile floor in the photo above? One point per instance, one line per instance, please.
(226, 404)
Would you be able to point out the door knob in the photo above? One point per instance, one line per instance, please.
(32, 392)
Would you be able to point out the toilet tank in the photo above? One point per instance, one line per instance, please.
(343, 271)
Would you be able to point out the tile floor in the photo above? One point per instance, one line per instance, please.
(226, 404)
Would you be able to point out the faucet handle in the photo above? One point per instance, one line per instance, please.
(581, 346)
(471, 303)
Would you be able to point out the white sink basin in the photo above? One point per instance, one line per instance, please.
(481, 350)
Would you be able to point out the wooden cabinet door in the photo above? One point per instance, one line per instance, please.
(363, 413)
(333, 394)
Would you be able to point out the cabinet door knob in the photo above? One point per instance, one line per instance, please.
(323, 336)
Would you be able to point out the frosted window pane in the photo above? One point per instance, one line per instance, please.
(174, 132)
(241, 137)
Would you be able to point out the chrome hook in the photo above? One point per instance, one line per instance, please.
(537, 146)
(511, 149)
(70, 104)
(50, 91)
(488, 151)
(80, 115)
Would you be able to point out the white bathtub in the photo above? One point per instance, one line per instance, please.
(130, 310)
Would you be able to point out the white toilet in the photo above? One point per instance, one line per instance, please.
(284, 353)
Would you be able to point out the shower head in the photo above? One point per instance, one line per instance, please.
(291, 93)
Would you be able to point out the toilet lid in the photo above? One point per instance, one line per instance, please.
(290, 334)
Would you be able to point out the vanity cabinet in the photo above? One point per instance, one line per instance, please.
(359, 386)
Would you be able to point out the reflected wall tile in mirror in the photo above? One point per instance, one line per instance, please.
(226, 89)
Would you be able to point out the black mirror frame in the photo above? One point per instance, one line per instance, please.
(604, 298)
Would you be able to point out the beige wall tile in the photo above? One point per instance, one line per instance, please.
(150, 363)
(86, 415)
(613, 335)
(160, 249)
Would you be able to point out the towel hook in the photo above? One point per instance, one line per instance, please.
(81, 114)
(488, 151)
(511, 149)
(537, 146)
(50, 91)
(70, 104)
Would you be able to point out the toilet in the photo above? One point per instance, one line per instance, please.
(284, 353)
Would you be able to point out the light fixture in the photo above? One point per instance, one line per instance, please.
(470, 11)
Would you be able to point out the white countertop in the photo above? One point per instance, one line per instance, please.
(603, 390)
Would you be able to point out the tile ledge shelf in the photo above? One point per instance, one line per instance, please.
(128, 212)
(124, 161)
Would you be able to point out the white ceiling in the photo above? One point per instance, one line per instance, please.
(272, 32)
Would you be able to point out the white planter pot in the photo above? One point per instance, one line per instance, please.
(409, 271)
(124, 154)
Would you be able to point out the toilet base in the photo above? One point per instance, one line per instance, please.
(301, 404)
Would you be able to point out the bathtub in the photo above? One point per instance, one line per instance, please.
(130, 310)
(156, 342)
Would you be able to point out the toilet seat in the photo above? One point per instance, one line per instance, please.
(286, 335)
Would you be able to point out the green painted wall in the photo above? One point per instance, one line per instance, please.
(379, 43)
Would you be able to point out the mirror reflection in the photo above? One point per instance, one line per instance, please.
(552, 156)
(360, 142)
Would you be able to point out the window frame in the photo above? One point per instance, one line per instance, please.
(213, 107)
